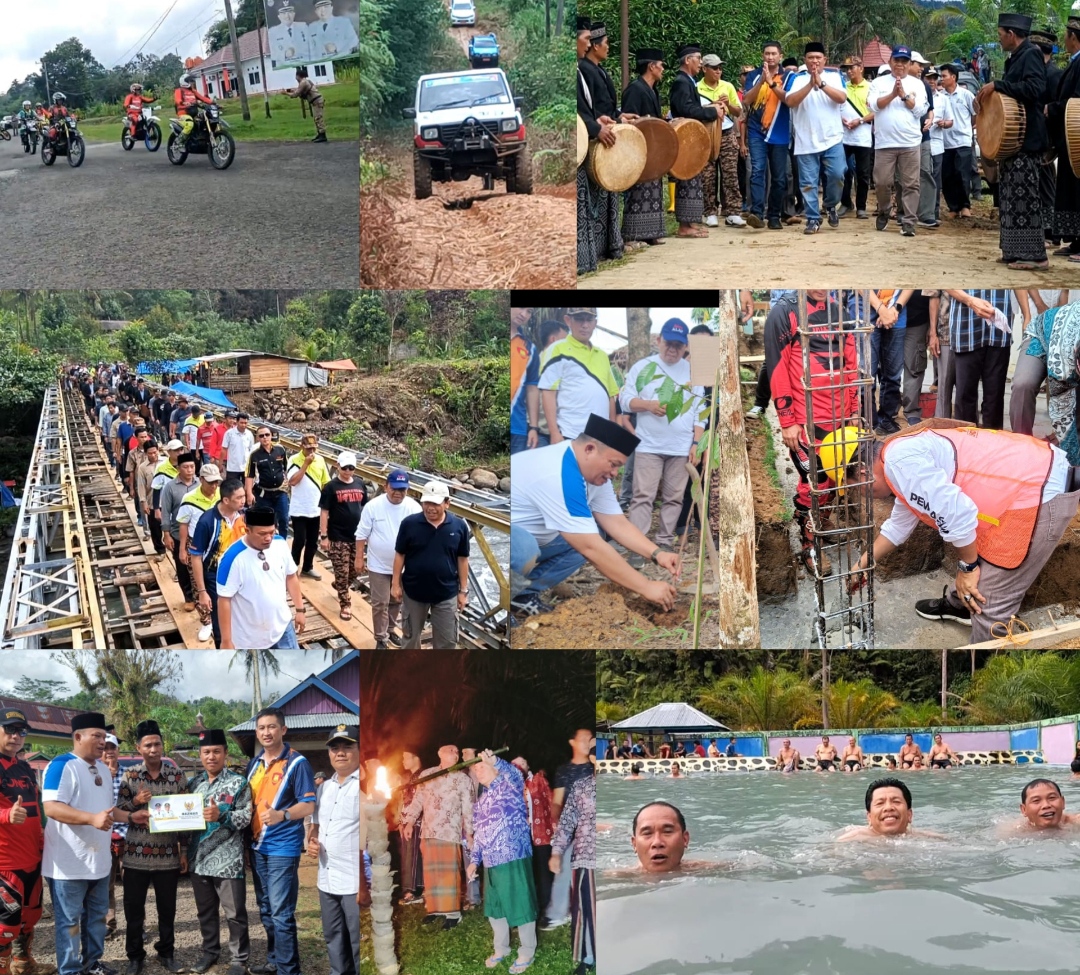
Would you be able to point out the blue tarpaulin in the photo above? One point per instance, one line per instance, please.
(215, 396)
(156, 368)
(7, 499)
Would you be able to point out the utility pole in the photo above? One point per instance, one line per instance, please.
(944, 683)
(48, 93)
(262, 58)
(244, 110)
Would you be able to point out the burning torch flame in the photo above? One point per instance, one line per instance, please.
(382, 784)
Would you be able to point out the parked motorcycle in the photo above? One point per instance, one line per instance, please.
(68, 141)
(147, 129)
(209, 137)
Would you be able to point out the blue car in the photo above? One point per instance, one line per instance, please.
(483, 51)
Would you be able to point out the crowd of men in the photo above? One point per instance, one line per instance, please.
(535, 841)
(798, 137)
(222, 501)
(1003, 498)
(564, 512)
(87, 828)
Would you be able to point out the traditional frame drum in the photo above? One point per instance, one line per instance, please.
(661, 147)
(617, 168)
(582, 141)
(695, 144)
(1001, 126)
(715, 128)
(1072, 133)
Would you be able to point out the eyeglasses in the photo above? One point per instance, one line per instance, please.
(97, 775)
(265, 564)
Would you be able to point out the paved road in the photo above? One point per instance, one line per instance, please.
(283, 215)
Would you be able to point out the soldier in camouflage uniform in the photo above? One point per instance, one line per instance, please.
(306, 89)
(217, 855)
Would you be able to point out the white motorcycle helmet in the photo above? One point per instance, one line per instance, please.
(26, 105)
(59, 98)
(187, 80)
(136, 88)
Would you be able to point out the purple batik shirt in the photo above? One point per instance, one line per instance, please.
(501, 821)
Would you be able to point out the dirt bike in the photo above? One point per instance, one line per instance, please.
(5, 130)
(31, 130)
(146, 128)
(210, 136)
(67, 142)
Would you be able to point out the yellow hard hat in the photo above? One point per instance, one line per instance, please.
(836, 452)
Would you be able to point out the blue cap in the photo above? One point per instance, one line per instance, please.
(397, 479)
(901, 52)
(675, 330)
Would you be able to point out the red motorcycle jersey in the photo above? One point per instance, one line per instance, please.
(133, 103)
(20, 845)
(187, 98)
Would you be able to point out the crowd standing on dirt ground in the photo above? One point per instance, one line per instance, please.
(564, 512)
(535, 841)
(226, 533)
(797, 137)
(1003, 498)
(88, 827)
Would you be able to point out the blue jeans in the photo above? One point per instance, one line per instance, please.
(520, 442)
(886, 355)
(776, 158)
(79, 909)
(276, 887)
(287, 640)
(811, 166)
(535, 569)
(279, 501)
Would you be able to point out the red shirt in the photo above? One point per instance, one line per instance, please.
(216, 437)
(206, 435)
(20, 845)
(699, 751)
(540, 808)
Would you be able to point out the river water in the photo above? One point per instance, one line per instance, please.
(794, 901)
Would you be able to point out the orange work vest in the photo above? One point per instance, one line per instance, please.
(1004, 474)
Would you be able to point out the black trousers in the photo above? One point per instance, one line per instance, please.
(863, 170)
(136, 886)
(988, 365)
(212, 893)
(183, 573)
(763, 393)
(305, 539)
(542, 875)
(155, 531)
(955, 173)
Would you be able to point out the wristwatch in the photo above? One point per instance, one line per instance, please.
(286, 814)
(537, 429)
(655, 552)
(969, 566)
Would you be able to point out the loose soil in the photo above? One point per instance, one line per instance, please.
(852, 255)
(775, 559)
(1067, 645)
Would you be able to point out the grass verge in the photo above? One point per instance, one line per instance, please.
(286, 124)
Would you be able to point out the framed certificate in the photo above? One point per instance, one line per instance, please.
(170, 814)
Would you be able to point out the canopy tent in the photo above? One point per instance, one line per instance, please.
(338, 365)
(215, 396)
(166, 365)
(673, 719)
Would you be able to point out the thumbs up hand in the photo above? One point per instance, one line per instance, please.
(17, 814)
(211, 813)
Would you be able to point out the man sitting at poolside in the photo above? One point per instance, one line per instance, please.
(659, 837)
(853, 759)
(941, 755)
(908, 751)
(888, 814)
(825, 755)
(788, 758)
(1043, 807)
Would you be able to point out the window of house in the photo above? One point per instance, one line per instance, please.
(210, 87)
(253, 77)
(320, 71)
(233, 84)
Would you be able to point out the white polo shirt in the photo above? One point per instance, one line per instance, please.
(942, 113)
(379, 523)
(962, 106)
(337, 814)
(551, 496)
(584, 384)
(896, 126)
(77, 852)
(260, 613)
(817, 118)
(238, 447)
(657, 435)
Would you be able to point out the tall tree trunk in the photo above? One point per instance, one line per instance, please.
(559, 17)
(944, 682)
(624, 42)
(825, 689)
(256, 699)
(738, 613)
(638, 338)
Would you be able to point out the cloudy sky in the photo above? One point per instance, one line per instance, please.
(113, 30)
(206, 672)
(615, 319)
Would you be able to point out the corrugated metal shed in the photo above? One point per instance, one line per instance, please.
(670, 717)
(298, 722)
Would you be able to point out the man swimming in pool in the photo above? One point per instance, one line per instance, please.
(888, 814)
(676, 771)
(788, 758)
(1042, 806)
(853, 759)
(635, 772)
(660, 839)
(825, 755)
(941, 755)
(908, 751)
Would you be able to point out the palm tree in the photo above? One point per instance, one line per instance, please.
(1023, 686)
(859, 704)
(765, 700)
(255, 661)
(607, 713)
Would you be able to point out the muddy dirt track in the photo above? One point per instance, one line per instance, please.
(960, 253)
(283, 215)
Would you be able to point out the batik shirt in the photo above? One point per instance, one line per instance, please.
(145, 850)
(538, 794)
(446, 804)
(219, 852)
(501, 821)
(578, 822)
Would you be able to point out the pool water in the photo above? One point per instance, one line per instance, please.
(796, 902)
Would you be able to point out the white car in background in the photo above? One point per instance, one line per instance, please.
(462, 13)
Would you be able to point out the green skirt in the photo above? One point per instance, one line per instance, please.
(509, 892)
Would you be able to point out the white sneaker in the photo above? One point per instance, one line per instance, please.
(735, 221)
(205, 633)
(754, 413)
(711, 221)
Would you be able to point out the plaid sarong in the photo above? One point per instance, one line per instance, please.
(583, 914)
(442, 876)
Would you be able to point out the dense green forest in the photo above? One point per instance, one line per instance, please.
(39, 329)
(754, 690)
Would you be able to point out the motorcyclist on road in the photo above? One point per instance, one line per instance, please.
(40, 113)
(133, 104)
(59, 110)
(25, 118)
(186, 99)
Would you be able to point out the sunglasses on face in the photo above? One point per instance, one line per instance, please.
(261, 435)
(348, 467)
